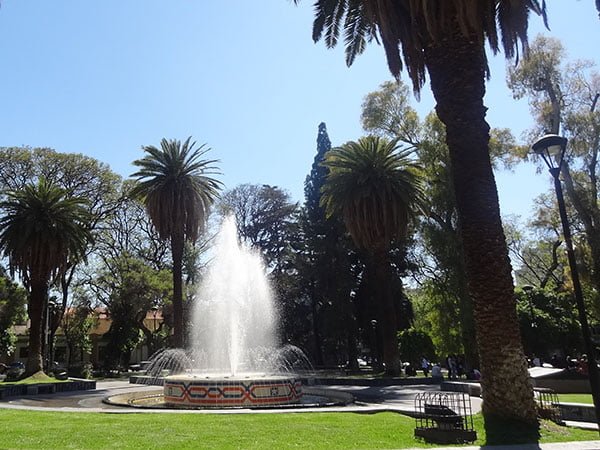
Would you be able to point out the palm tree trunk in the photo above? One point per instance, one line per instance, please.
(177, 244)
(37, 302)
(467, 323)
(457, 70)
(386, 311)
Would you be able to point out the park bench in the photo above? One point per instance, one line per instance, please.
(443, 416)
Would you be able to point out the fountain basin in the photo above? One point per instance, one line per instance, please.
(235, 391)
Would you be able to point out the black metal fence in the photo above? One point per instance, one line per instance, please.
(444, 417)
(548, 404)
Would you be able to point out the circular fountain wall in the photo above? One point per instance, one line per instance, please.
(241, 391)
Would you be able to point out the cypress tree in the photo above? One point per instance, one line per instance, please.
(329, 281)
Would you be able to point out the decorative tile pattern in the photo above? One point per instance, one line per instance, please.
(230, 393)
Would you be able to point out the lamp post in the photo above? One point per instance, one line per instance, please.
(552, 149)
(375, 349)
(154, 312)
(50, 307)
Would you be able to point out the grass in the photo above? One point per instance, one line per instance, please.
(51, 430)
(576, 398)
(36, 378)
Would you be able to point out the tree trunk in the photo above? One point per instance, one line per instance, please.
(351, 326)
(351, 344)
(467, 323)
(177, 244)
(457, 70)
(386, 311)
(315, 324)
(37, 303)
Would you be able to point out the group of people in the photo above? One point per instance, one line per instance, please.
(455, 365)
(579, 364)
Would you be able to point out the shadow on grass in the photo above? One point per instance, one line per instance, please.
(501, 431)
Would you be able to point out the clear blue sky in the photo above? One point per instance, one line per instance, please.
(105, 77)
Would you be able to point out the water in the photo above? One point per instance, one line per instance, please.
(234, 321)
(234, 314)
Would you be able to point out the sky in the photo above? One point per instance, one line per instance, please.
(104, 78)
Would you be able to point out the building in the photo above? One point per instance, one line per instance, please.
(102, 323)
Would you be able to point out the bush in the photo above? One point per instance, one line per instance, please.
(81, 370)
(414, 344)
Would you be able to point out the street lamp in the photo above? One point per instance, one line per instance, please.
(154, 312)
(551, 148)
(50, 307)
(375, 349)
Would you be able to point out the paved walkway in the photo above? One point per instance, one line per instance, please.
(369, 399)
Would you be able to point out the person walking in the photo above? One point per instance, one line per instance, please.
(425, 366)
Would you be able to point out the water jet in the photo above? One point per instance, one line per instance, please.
(233, 359)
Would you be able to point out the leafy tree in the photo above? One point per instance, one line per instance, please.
(448, 40)
(129, 288)
(42, 231)
(415, 344)
(178, 190)
(540, 261)
(548, 322)
(129, 230)
(77, 322)
(374, 188)
(565, 96)
(12, 311)
(80, 176)
(266, 219)
(387, 112)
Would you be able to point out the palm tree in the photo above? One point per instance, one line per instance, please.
(177, 190)
(374, 187)
(447, 38)
(41, 232)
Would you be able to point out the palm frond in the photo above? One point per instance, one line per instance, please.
(375, 187)
(43, 229)
(406, 28)
(177, 187)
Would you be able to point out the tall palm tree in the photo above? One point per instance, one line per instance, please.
(375, 188)
(447, 39)
(177, 190)
(41, 232)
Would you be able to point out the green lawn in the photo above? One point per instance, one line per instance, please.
(38, 378)
(51, 430)
(576, 398)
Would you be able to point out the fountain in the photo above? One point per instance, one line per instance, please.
(234, 359)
